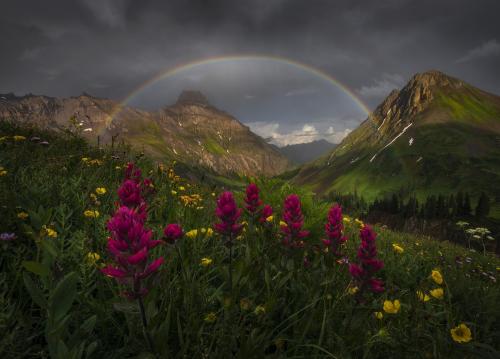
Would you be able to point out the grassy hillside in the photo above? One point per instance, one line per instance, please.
(284, 302)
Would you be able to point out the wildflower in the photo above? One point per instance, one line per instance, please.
(334, 230)
(437, 277)
(266, 214)
(209, 233)
(7, 236)
(283, 224)
(130, 194)
(353, 290)
(100, 191)
(22, 215)
(461, 333)
(346, 219)
(3, 171)
(228, 213)
(260, 309)
(49, 232)
(92, 257)
(245, 304)
(210, 317)
(397, 248)
(172, 233)
(437, 293)
(182, 188)
(269, 219)
(423, 297)
(192, 233)
(292, 216)
(359, 222)
(173, 192)
(91, 213)
(213, 194)
(205, 262)
(363, 273)
(18, 138)
(379, 315)
(252, 199)
(392, 307)
(129, 244)
(85, 159)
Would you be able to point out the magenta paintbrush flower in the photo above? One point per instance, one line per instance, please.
(228, 213)
(172, 233)
(294, 220)
(334, 229)
(363, 273)
(130, 244)
(252, 199)
(130, 194)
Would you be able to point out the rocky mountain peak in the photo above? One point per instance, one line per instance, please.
(193, 98)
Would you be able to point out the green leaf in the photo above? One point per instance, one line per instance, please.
(36, 268)
(89, 324)
(48, 246)
(91, 349)
(35, 292)
(63, 296)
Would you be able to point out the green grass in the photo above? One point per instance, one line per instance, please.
(466, 106)
(213, 147)
(308, 312)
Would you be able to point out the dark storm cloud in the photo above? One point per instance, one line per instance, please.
(109, 47)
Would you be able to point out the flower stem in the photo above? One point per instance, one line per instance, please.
(145, 325)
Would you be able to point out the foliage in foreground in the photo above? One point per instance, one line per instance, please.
(57, 198)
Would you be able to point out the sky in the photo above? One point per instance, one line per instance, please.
(109, 48)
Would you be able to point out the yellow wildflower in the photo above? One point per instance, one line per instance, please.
(85, 159)
(378, 315)
(269, 219)
(352, 290)
(210, 317)
(437, 277)
(210, 232)
(392, 307)
(205, 262)
(397, 248)
(50, 232)
(192, 233)
(93, 257)
(283, 224)
(118, 168)
(461, 333)
(359, 222)
(182, 188)
(260, 309)
(173, 193)
(423, 297)
(91, 213)
(19, 138)
(437, 293)
(2, 172)
(22, 215)
(245, 304)
(100, 190)
(346, 219)
(213, 194)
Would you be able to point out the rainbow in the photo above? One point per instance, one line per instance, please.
(211, 60)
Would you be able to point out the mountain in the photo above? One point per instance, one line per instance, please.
(436, 135)
(306, 152)
(191, 131)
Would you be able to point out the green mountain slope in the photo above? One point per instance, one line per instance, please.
(438, 134)
(190, 131)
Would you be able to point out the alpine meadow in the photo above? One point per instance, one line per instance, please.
(261, 179)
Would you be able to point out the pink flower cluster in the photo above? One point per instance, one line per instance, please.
(130, 241)
(292, 232)
(252, 199)
(364, 272)
(334, 231)
(228, 213)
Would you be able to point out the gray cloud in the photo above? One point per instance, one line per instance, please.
(489, 48)
(110, 47)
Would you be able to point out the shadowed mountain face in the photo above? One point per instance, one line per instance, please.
(306, 152)
(437, 134)
(191, 131)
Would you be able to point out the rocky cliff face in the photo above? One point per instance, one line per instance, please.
(190, 131)
(436, 133)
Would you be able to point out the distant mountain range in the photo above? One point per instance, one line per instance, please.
(436, 135)
(301, 153)
(191, 131)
